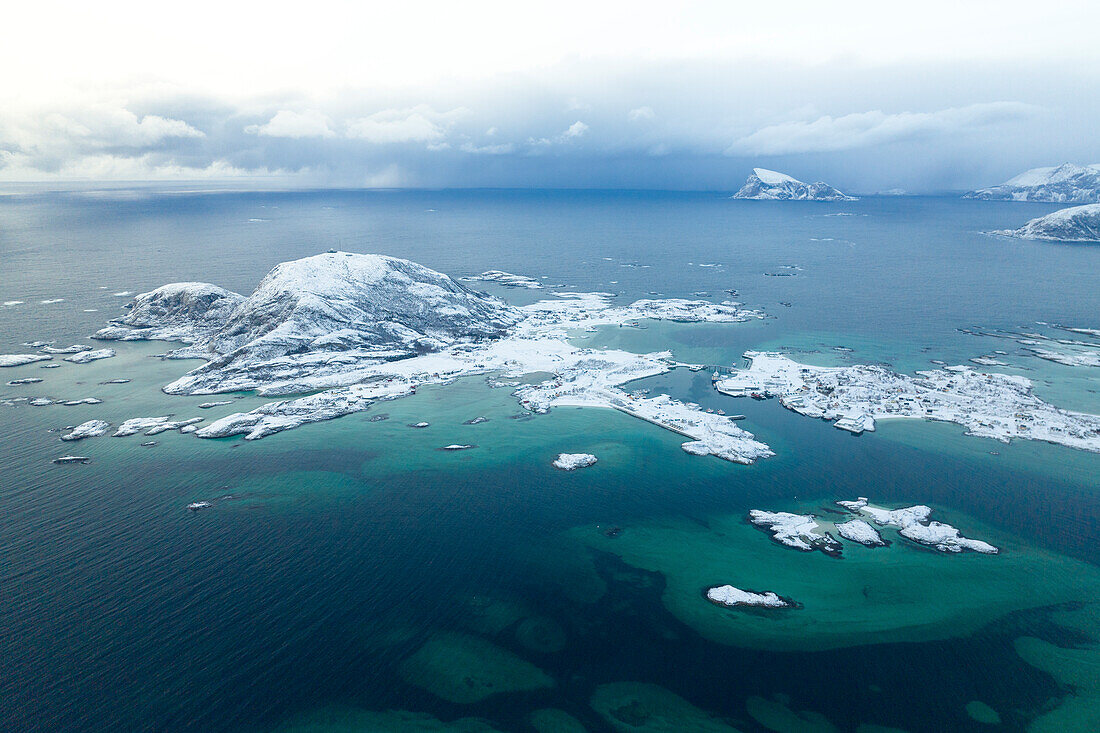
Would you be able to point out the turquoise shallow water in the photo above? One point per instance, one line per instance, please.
(358, 569)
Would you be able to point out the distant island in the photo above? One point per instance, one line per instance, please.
(1075, 224)
(1067, 183)
(769, 185)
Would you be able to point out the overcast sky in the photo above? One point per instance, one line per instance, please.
(864, 95)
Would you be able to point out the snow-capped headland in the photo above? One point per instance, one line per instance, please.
(1075, 224)
(1066, 183)
(999, 406)
(356, 329)
(770, 185)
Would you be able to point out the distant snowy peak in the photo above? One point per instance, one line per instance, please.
(771, 185)
(1067, 183)
(1075, 224)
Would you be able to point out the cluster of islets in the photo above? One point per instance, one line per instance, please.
(809, 533)
(1075, 352)
(999, 406)
(80, 354)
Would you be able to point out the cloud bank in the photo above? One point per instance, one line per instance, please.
(868, 129)
(585, 124)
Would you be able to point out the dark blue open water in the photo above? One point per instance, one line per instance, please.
(121, 611)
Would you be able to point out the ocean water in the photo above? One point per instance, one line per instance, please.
(361, 579)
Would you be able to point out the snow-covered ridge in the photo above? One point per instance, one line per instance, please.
(1075, 224)
(999, 406)
(771, 185)
(1067, 183)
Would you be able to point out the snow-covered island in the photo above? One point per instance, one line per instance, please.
(770, 185)
(913, 523)
(354, 329)
(729, 596)
(1066, 183)
(999, 406)
(89, 429)
(1075, 224)
(573, 461)
(856, 530)
(13, 360)
(505, 278)
(86, 356)
(800, 531)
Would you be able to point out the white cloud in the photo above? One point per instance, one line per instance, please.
(95, 126)
(287, 123)
(502, 149)
(641, 113)
(571, 133)
(397, 126)
(108, 167)
(867, 129)
(577, 129)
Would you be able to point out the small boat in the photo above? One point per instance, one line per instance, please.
(72, 459)
(197, 505)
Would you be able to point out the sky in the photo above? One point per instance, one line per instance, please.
(867, 96)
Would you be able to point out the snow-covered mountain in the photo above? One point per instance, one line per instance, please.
(1075, 224)
(1067, 183)
(310, 318)
(765, 184)
(186, 312)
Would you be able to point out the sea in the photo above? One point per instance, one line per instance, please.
(351, 576)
